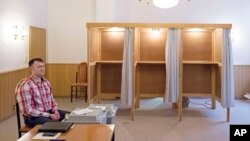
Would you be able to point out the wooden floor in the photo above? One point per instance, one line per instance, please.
(158, 122)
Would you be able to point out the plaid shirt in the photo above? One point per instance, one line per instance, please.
(35, 98)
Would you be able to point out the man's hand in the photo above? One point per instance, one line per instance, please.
(57, 114)
(53, 117)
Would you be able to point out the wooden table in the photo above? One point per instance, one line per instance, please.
(79, 132)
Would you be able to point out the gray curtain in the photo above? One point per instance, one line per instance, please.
(227, 91)
(172, 65)
(127, 68)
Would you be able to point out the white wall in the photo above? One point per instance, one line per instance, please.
(66, 29)
(67, 32)
(70, 17)
(23, 13)
(236, 12)
(105, 10)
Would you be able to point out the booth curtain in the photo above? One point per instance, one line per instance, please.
(127, 68)
(227, 88)
(172, 65)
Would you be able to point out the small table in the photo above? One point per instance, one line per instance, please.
(79, 132)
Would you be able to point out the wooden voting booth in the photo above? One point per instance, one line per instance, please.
(200, 61)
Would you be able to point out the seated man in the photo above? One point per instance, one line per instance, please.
(35, 98)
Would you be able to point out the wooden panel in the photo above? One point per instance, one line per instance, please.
(8, 81)
(108, 62)
(61, 76)
(218, 82)
(197, 78)
(37, 43)
(82, 72)
(111, 75)
(200, 62)
(152, 45)
(136, 44)
(93, 83)
(242, 80)
(112, 43)
(93, 44)
(159, 25)
(218, 45)
(197, 45)
(152, 79)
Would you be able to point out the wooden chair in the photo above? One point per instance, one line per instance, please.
(20, 128)
(81, 81)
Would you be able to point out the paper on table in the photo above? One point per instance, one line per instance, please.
(82, 111)
(40, 136)
(101, 107)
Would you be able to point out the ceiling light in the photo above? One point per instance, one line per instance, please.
(165, 3)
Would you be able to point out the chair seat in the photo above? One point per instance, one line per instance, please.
(75, 85)
(25, 129)
(80, 81)
(79, 84)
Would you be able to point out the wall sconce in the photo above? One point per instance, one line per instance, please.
(155, 33)
(155, 29)
(147, 1)
(19, 32)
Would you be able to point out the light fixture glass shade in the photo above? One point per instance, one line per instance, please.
(165, 3)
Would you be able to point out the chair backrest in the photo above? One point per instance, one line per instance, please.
(18, 120)
(18, 85)
(82, 72)
(18, 110)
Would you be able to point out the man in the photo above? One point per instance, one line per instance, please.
(35, 98)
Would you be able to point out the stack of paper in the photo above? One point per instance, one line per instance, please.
(82, 111)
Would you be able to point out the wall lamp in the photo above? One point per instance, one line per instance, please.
(19, 32)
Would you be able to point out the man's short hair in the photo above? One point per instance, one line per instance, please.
(31, 62)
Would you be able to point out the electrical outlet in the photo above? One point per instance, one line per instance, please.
(26, 59)
(13, 107)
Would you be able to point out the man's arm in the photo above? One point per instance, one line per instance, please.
(54, 104)
(24, 99)
(53, 101)
(55, 116)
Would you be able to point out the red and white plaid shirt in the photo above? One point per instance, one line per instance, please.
(35, 98)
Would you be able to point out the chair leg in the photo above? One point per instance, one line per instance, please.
(86, 95)
(71, 93)
(18, 120)
(76, 92)
(19, 134)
